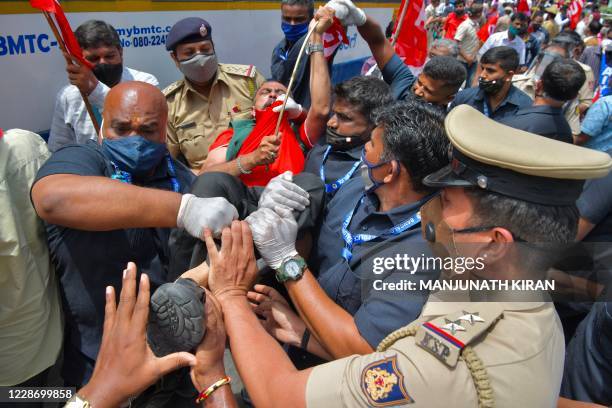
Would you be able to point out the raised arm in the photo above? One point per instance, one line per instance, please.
(320, 83)
(380, 47)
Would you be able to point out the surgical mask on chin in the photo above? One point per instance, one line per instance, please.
(108, 74)
(294, 32)
(343, 142)
(490, 87)
(200, 68)
(134, 154)
(365, 171)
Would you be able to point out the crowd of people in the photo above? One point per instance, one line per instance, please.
(232, 213)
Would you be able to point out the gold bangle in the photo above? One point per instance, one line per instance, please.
(207, 392)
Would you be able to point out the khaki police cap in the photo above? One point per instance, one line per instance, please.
(512, 162)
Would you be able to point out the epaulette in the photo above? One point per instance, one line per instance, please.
(173, 87)
(248, 71)
(446, 336)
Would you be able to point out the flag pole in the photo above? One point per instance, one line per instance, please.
(292, 79)
(400, 22)
(62, 46)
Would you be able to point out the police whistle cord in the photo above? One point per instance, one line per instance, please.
(400, 23)
(62, 46)
(293, 74)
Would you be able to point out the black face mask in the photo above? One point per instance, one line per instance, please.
(459, 12)
(343, 142)
(108, 74)
(490, 87)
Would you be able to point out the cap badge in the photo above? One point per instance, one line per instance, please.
(203, 30)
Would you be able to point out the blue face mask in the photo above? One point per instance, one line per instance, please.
(366, 173)
(294, 32)
(134, 154)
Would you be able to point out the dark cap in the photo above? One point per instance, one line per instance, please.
(188, 30)
(488, 155)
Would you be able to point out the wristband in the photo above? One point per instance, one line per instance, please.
(207, 392)
(242, 169)
(305, 339)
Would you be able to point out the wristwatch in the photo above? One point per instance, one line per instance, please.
(77, 402)
(291, 269)
(314, 48)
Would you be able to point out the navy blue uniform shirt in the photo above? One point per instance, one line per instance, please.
(338, 164)
(542, 120)
(89, 261)
(399, 77)
(475, 97)
(350, 285)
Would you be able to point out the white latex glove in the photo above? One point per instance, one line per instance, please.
(274, 234)
(292, 109)
(281, 191)
(195, 214)
(347, 12)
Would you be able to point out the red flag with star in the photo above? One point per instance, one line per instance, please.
(333, 38)
(411, 43)
(67, 35)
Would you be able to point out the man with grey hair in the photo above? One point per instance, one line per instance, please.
(295, 17)
(443, 47)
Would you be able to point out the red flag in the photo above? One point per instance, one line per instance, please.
(488, 28)
(523, 7)
(68, 38)
(333, 38)
(574, 11)
(411, 43)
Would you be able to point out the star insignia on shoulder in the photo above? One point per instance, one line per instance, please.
(471, 317)
(452, 326)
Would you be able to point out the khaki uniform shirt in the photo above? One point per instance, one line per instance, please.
(30, 314)
(521, 346)
(195, 120)
(526, 83)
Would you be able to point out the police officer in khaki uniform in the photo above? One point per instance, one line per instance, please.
(503, 186)
(201, 105)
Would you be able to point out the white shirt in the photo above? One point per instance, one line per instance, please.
(71, 122)
(501, 38)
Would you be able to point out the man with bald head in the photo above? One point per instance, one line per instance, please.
(109, 203)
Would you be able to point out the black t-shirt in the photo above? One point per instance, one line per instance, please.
(88, 261)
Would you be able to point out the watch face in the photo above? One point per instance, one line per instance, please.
(292, 269)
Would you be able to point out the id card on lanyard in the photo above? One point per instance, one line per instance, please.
(331, 187)
(351, 240)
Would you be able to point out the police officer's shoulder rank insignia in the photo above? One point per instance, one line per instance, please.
(383, 383)
(446, 336)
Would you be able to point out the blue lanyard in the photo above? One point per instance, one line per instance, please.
(351, 240)
(330, 188)
(485, 107)
(126, 177)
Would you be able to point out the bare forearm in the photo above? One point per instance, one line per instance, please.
(255, 352)
(333, 326)
(380, 47)
(102, 204)
(320, 93)
(317, 349)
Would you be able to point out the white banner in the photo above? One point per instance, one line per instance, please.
(32, 69)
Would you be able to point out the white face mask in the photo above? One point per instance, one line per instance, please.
(200, 68)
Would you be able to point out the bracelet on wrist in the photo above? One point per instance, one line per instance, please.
(242, 169)
(214, 387)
